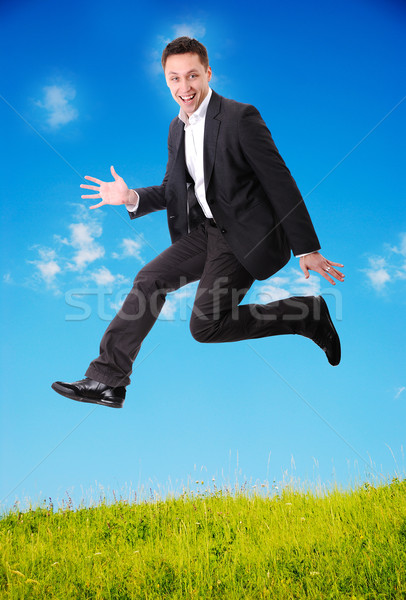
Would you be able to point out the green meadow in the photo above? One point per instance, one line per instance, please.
(217, 544)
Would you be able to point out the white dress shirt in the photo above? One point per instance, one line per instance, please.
(194, 144)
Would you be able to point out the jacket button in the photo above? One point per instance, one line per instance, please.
(223, 230)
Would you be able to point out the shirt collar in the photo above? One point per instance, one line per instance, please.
(200, 113)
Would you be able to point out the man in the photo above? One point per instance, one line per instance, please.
(234, 215)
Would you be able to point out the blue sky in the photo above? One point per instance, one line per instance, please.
(82, 89)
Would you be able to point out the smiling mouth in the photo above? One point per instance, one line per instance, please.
(187, 99)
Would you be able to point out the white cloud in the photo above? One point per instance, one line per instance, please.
(377, 273)
(83, 233)
(401, 249)
(131, 248)
(304, 287)
(399, 391)
(48, 270)
(388, 268)
(7, 278)
(83, 241)
(47, 267)
(57, 104)
(169, 309)
(117, 304)
(273, 289)
(179, 302)
(291, 283)
(104, 277)
(193, 29)
(73, 253)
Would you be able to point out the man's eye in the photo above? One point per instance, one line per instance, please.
(192, 76)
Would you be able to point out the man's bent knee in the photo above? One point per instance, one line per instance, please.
(203, 330)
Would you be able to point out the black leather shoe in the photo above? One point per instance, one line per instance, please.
(89, 390)
(325, 334)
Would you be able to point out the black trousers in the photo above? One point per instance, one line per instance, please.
(217, 315)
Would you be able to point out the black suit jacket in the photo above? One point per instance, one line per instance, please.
(251, 193)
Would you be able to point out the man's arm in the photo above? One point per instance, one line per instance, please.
(276, 180)
(151, 199)
(273, 174)
(139, 202)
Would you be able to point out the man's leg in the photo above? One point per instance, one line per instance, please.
(178, 265)
(218, 317)
(108, 374)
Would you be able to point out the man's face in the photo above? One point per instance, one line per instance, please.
(188, 80)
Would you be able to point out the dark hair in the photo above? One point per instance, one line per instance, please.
(184, 45)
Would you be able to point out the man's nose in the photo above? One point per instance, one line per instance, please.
(184, 85)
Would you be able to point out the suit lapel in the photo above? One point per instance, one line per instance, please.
(211, 131)
(179, 168)
(179, 142)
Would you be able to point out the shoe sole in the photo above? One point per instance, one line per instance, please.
(72, 396)
(325, 307)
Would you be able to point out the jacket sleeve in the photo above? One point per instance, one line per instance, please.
(264, 159)
(152, 198)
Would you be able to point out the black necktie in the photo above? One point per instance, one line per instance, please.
(194, 210)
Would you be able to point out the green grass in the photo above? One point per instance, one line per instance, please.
(340, 544)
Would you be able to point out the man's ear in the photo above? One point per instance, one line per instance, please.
(209, 73)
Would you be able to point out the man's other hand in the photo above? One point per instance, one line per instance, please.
(111, 192)
(326, 268)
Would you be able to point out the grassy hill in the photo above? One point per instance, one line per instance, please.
(341, 544)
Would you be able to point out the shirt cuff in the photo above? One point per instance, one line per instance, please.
(307, 253)
(133, 207)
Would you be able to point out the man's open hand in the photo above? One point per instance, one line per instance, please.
(316, 262)
(111, 192)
